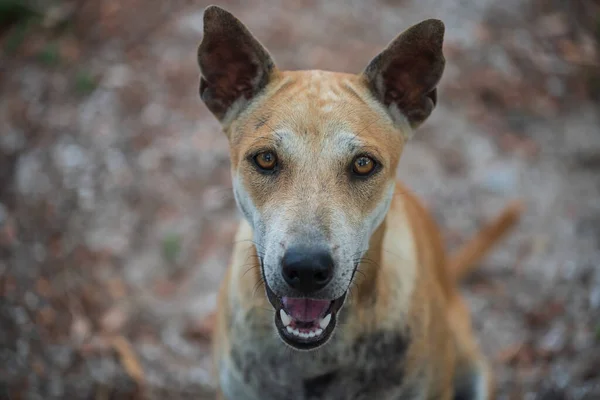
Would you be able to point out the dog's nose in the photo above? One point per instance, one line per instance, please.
(307, 270)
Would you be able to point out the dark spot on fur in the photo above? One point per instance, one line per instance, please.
(381, 356)
(241, 363)
(261, 121)
(273, 362)
(376, 370)
(464, 391)
(236, 356)
(316, 387)
(328, 359)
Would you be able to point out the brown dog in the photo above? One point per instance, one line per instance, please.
(330, 239)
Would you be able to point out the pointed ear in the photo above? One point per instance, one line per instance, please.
(235, 67)
(404, 76)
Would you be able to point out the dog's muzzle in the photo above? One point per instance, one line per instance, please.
(304, 322)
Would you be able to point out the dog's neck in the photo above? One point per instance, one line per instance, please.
(366, 276)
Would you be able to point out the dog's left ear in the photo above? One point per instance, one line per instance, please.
(235, 67)
(404, 76)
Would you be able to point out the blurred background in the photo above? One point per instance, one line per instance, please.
(116, 211)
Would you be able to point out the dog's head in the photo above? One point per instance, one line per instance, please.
(314, 157)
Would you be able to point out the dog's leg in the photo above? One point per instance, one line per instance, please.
(474, 379)
(488, 385)
(474, 382)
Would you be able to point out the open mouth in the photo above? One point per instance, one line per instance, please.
(304, 323)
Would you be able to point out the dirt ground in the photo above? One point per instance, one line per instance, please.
(116, 211)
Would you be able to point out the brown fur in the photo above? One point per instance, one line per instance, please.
(406, 330)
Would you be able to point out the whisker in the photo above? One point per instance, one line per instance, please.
(257, 286)
(250, 269)
(251, 241)
(361, 273)
(290, 353)
(254, 256)
(350, 293)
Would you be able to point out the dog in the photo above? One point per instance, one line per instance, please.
(339, 286)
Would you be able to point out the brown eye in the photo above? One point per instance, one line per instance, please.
(267, 160)
(363, 166)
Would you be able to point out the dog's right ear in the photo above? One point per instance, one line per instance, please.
(235, 67)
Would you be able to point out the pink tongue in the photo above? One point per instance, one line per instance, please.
(305, 310)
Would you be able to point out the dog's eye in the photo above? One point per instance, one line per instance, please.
(363, 166)
(266, 160)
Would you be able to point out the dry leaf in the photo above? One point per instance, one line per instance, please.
(80, 329)
(510, 354)
(128, 358)
(114, 319)
(204, 328)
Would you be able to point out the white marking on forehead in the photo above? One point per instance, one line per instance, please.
(292, 143)
(329, 95)
(335, 143)
(342, 142)
(323, 91)
(327, 108)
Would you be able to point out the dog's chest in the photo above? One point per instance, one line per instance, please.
(370, 367)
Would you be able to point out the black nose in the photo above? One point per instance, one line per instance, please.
(307, 269)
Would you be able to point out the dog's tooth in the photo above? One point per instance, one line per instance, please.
(289, 329)
(318, 332)
(312, 334)
(296, 332)
(304, 335)
(325, 321)
(286, 319)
